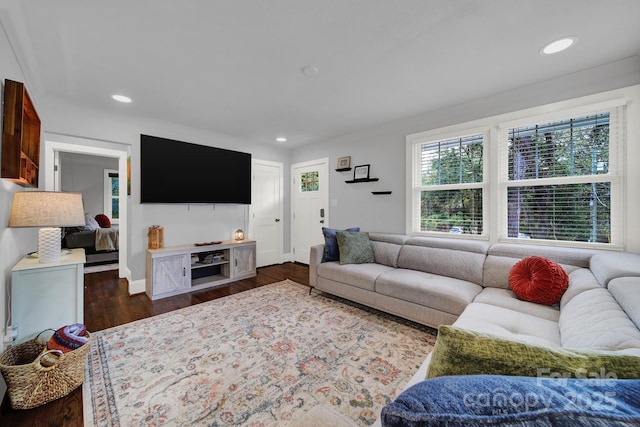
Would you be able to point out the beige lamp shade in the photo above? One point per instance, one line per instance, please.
(50, 210)
(46, 209)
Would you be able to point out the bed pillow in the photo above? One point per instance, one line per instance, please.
(354, 247)
(90, 222)
(103, 221)
(460, 351)
(539, 280)
(493, 400)
(331, 252)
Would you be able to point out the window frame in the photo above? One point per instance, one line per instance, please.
(414, 177)
(495, 167)
(617, 142)
(108, 196)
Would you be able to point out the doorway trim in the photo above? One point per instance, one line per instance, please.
(77, 145)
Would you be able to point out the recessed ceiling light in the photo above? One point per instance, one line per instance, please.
(558, 45)
(121, 98)
(281, 139)
(309, 70)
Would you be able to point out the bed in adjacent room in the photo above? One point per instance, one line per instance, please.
(98, 237)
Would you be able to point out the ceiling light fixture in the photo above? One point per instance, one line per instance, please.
(558, 45)
(121, 98)
(281, 139)
(309, 70)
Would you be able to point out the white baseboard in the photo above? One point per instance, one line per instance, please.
(137, 286)
(287, 257)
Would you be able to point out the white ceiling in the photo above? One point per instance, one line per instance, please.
(234, 66)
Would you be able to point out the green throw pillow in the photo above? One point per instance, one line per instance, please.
(354, 247)
(463, 352)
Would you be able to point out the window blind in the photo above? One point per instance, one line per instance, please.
(561, 178)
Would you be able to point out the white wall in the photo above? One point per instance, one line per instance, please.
(85, 174)
(14, 242)
(384, 147)
(183, 224)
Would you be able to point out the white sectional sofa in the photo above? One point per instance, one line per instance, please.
(444, 281)
(465, 283)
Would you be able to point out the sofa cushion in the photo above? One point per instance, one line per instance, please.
(386, 253)
(455, 263)
(538, 279)
(507, 299)
(626, 290)
(331, 252)
(501, 257)
(439, 292)
(563, 256)
(354, 247)
(595, 320)
(494, 400)
(360, 275)
(463, 352)
(611, 265)
(509, 324)
(397, 239)
(580, 280)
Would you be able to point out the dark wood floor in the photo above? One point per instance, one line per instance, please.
(108, 304)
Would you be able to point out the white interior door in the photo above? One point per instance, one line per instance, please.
(267, 212)
(310, 202)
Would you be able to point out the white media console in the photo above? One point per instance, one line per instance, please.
(179, 269)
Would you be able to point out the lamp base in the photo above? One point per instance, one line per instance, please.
(49, 244)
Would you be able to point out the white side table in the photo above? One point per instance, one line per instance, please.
(47, 295)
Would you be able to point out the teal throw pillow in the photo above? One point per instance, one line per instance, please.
(354, 247)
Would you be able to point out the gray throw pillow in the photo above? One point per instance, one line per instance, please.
(354, 247)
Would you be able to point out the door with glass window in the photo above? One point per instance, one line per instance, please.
(309, 206)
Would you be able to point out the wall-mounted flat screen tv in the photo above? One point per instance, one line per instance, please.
(181, 172)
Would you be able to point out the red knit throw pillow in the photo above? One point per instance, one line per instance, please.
(103, 221)
(537, 279)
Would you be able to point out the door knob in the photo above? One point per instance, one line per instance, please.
(277, 219)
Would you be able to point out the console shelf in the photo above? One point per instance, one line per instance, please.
(180, 269)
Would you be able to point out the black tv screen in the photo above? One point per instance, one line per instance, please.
(181, 172)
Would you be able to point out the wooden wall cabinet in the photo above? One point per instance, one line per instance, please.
(20, 136)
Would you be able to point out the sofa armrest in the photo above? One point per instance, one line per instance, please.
(315, 259)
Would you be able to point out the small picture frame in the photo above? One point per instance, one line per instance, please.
(361, 172)
(344, 162)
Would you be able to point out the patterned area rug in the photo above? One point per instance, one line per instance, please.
(262, 357)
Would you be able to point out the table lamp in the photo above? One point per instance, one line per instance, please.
(48, 209)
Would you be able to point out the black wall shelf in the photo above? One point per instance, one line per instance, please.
(355, 181)
(343, 169)
(380, 192)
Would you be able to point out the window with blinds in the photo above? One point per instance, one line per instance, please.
(554, 178)
(559, 180)
(450, 185)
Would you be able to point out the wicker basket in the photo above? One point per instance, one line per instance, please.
(30, 384)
